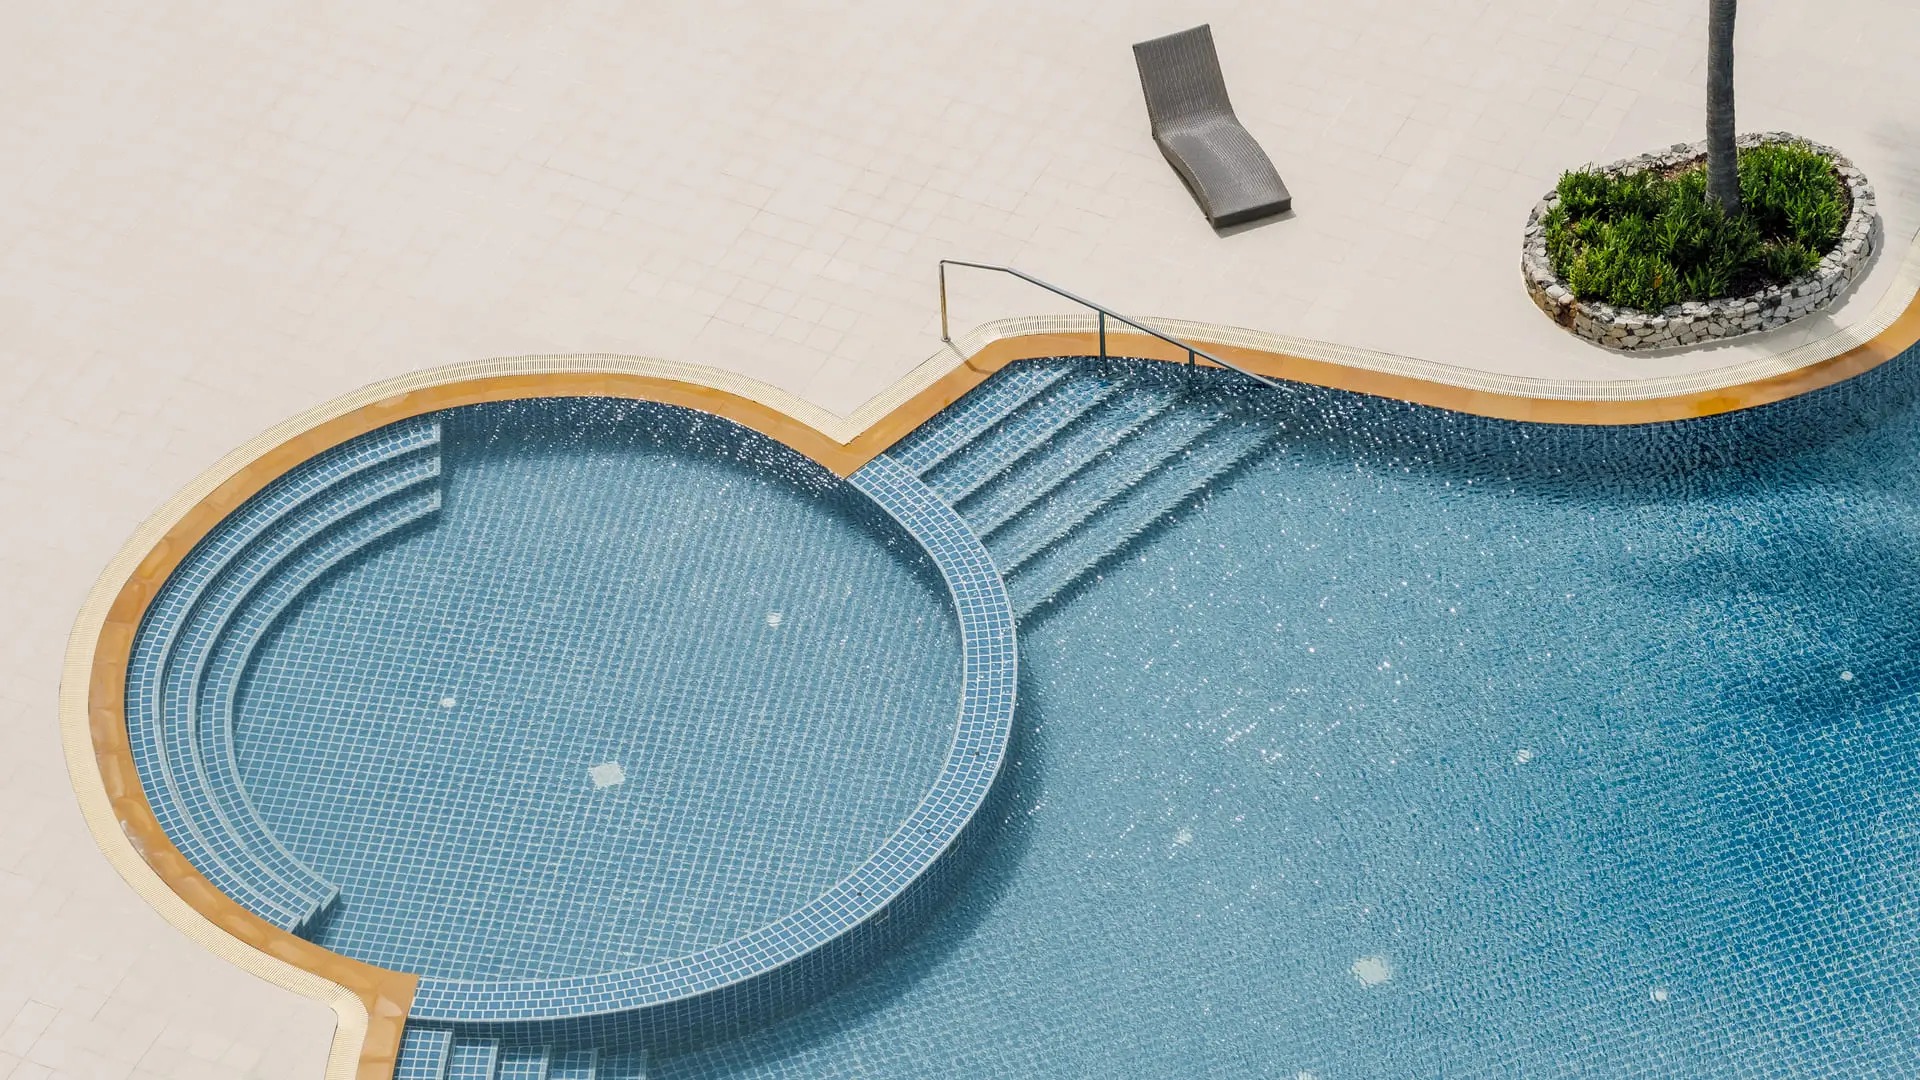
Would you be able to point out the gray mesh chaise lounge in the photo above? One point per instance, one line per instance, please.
(1193, 123)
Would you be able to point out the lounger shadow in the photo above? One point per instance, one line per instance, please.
(1193, 124)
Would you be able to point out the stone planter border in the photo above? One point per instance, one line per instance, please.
(1693, 323)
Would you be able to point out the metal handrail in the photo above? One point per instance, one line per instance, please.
(1193, 352)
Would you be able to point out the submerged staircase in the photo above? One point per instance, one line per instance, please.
(1057, 465)
(198, 635)
(432, 1052)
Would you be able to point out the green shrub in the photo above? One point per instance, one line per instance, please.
(1644, 240)
(1792, 193)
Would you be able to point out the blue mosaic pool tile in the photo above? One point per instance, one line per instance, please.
(968, 468)
(1057, 513)
(473, 1059)
(975, 413)
(1047, 468)
(187, 618)
(574, 1064)
(525, 1062)
(989, 679)
(1085, 538)
(425, 1050)
(623, 1065)
(1079, 482)
(236, 839)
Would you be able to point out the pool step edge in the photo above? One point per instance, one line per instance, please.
(1063, 565)
(1049, 467)
(1022, 433)
(1108, 479)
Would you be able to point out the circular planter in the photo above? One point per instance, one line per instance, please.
(1695, 322)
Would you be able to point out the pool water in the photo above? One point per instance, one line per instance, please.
(1430, 746)
(644, 684)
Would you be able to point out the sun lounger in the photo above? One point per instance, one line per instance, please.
(1193, 124)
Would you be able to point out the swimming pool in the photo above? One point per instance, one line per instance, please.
(1354, 739)
(574, 708)
(579, 729)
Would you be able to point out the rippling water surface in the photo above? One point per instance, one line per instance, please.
(1429, 746)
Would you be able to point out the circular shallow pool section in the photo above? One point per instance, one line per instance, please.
(568, 705)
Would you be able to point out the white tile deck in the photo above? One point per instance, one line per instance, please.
(214, 213)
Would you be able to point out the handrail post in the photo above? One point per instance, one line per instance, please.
(1193, 353)
(943, 303)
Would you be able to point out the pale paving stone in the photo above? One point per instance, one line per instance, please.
(215, 213)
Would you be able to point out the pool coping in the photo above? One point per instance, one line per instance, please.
(371, 1003)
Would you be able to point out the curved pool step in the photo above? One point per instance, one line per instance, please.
(362, 480)
(1051, 571)
(289, 888)
(215, 747)
(160, 627)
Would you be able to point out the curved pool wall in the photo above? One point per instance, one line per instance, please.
(308, 576)
(637, 1040)
(730, 990)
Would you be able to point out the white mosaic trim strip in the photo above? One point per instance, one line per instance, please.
(1694, 323)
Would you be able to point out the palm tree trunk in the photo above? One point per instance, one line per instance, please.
(1723, 167)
